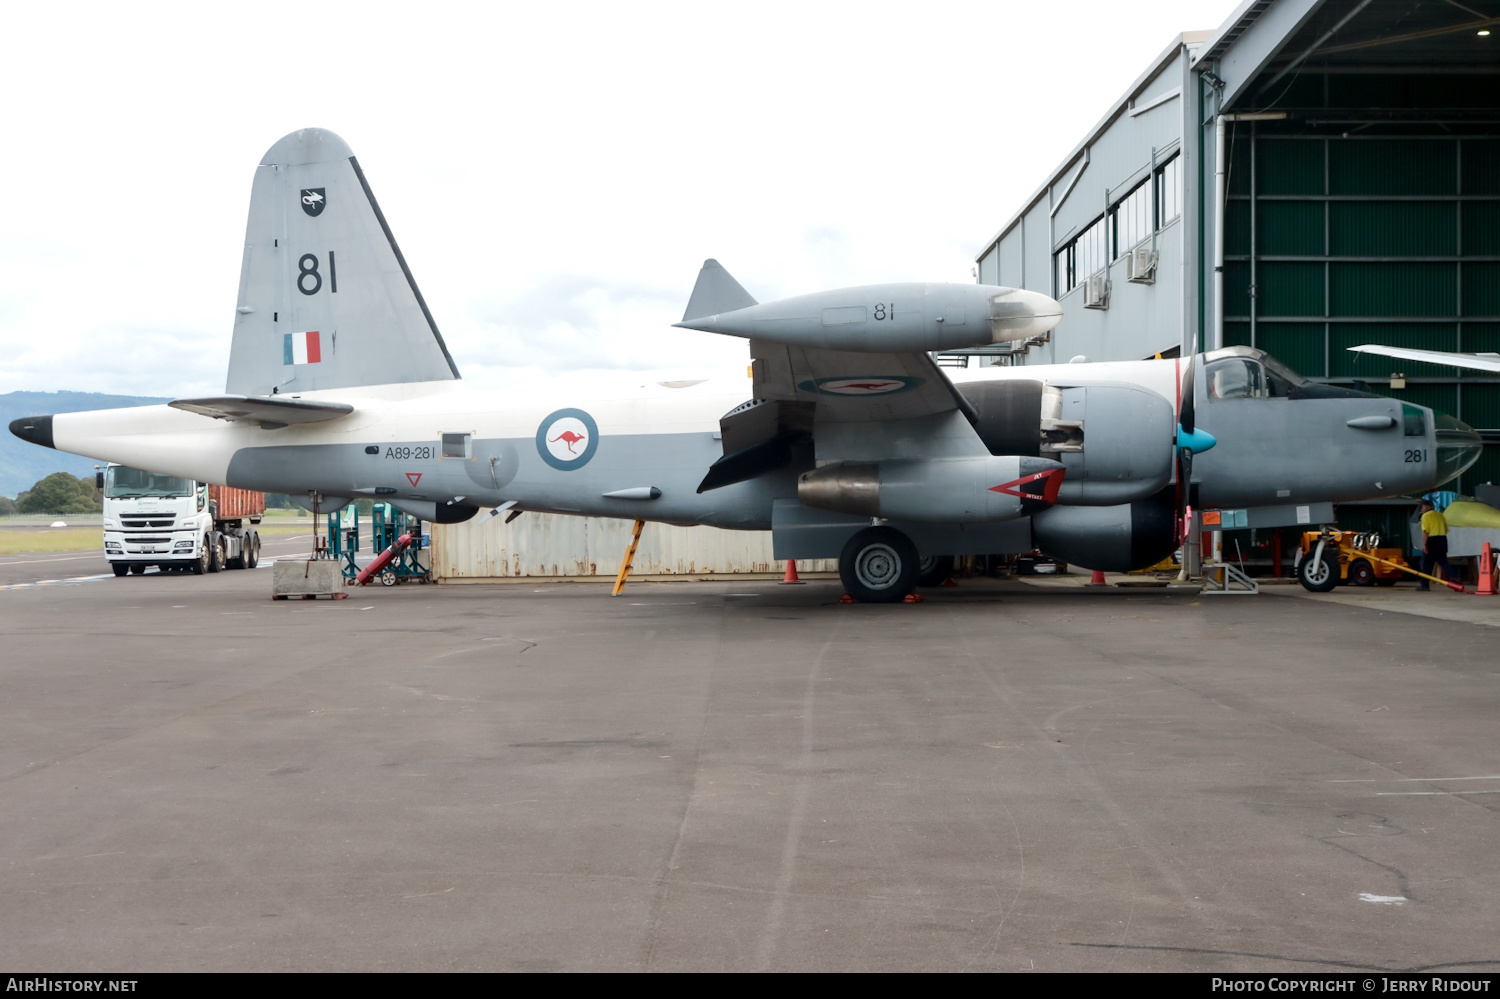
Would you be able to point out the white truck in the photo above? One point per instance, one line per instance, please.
(177, 524)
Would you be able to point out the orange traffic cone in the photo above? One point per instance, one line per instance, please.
(1486, 572)
(791, 572)
(1098, 578)
(914, 598)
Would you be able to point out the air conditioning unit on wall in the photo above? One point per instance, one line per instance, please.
(1141, 265)
(1096, 292)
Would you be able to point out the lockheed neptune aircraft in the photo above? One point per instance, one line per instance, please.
(852, 444)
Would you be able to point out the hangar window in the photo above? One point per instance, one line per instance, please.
(1084, 255)
(1132, 219)
(1168, 182)
(1128, 223)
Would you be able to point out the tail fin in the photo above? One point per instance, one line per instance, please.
(326, 299)
(716, 292)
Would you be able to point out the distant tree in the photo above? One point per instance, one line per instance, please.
(7, 506)
(60, 493)
(278, 501)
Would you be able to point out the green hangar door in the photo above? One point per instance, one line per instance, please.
(1376, 225)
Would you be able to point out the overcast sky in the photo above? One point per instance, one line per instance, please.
(554, 173)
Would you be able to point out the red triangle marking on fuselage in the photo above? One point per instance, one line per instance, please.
(413, 477)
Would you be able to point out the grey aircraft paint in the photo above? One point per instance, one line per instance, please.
(847, 441)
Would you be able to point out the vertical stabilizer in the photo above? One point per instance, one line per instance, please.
(716, 292)
(326, 299)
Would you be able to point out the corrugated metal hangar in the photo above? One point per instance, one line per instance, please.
(1357, 146)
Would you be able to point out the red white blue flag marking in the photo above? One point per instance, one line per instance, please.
(301, 348)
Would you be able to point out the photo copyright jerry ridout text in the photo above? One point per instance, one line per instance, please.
(55, 983)
(1434, 983)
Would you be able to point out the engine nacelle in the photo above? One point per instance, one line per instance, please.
(1115, 440)
(943, 490)
(1110, 538)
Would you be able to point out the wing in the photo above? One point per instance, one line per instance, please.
(1478, 362)
(828, 405)
(853, 386)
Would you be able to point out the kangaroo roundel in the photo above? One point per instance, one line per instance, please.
(567, 439)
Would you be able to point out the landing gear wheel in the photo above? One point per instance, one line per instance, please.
(388, 578)
(120, 568)
(1322, 581)
(879, 566)
(932, 570)
(1361, 573)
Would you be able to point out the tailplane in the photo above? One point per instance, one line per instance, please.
(326, 299)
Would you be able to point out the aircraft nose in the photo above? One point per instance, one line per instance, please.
(36, 429)
(1458, 447)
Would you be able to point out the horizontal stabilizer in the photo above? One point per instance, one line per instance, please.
(266, 409)
(716, 292)
(1476, 362)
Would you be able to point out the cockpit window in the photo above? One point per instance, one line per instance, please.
(1235, 378)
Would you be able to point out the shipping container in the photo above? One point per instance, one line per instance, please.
(238, 504)
(555, 546)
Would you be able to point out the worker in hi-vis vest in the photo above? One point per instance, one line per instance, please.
(1434, 543)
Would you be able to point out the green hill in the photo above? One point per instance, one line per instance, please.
(22, 464)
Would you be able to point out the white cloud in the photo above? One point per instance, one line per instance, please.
(555, 173)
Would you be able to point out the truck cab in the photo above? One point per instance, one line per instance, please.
(177, 524)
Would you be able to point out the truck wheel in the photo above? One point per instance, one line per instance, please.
(1325, 579)
(120, 568)
(205, 557)
(252, 550)
(139, 569)
(215, 554)
(1361, 573)
(879, 566)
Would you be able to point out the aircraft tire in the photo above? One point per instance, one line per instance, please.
(879, 566)
(933, 569)
(120, 568)
(1361, 573)
(1324, 581)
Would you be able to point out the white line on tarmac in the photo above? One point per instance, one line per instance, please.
(1403, 780)
(1414, 794)
(38, 561)
(55, 582)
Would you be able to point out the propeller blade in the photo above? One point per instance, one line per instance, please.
(1184, 487)
(1185, 418)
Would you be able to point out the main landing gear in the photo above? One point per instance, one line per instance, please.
(879, 565)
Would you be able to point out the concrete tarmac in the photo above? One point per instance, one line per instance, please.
(740, 776)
